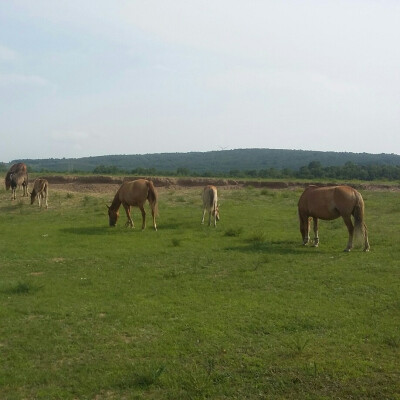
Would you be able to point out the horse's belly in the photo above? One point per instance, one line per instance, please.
(327, 215)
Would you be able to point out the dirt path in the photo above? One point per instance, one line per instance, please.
(102, 184)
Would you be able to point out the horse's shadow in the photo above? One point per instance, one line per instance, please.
(88, 230)
(170, 226)
(269, 247)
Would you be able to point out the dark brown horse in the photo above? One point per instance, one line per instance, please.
(19, 167)
(18, 179)
(329, 203)
(134, 193)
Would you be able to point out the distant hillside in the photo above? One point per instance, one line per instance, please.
(223, 161)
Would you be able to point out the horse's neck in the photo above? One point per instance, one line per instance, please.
(116, 202)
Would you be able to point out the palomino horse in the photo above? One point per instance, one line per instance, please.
(19, 167)
(41, 191)
(17, 179)
(210, 204)
(329, 203)
(134, 193)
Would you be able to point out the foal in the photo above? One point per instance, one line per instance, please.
(210, 204)
(41, 191)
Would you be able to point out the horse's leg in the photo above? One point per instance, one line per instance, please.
(209, 218)
(46, 196)
(128, 214)
(143, 216)
(39, 199)
(304, 229)
(366, 242)
(204, 214)
(350, 228)
(316, 238)
(153, 214)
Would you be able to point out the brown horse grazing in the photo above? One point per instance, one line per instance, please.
(17, 179)
(41, 191)
(19, 167)
(329, 203)
(134, 193)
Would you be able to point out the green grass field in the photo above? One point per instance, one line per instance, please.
(242, 311)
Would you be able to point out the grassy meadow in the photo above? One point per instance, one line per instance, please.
(242, 311)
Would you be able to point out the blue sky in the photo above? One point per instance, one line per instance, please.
(131, 77)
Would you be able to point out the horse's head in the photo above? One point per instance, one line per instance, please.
(33, 196)
(216, 213)
(112, 216)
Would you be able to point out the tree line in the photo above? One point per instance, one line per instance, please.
(314, 170)
(246, 161)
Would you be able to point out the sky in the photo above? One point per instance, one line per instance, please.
(99, 77)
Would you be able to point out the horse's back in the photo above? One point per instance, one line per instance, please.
(134, 192)
(210, 196)
(327, 202)
(19, 167)
(40, 185)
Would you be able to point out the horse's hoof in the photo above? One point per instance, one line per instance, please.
(366, 250)
(346, 250)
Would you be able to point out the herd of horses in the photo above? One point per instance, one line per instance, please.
(17, 176)
(316, 202)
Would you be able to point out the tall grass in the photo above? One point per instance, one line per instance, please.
(190, 311)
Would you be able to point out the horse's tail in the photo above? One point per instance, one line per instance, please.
(8, 181)
(212, 199)
(152, 197)
(360, 229)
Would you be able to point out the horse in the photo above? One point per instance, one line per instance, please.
(41, 191)
(134, 193)
(18, 179)
(19, 167)
(210, 204)
(329, 203)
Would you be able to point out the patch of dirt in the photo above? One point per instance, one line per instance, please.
(103, 184)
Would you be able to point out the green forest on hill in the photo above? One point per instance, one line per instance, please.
(256, 163)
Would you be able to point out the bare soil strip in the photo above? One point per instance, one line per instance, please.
(106, 183)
